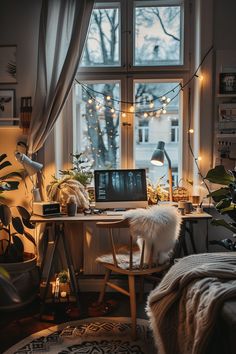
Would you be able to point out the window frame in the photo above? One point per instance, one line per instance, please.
(127, 74)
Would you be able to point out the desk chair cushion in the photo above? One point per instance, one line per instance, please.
(123, 258)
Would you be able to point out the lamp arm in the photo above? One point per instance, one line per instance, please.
(169, 176)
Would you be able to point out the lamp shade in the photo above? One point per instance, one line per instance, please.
(158, 155)
(31, 167)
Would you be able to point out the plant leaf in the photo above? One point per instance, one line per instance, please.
(222, 222)
(219, 194)
(17, 224)
(5, 164)
(5, 214)
(9, 185)
(219, 175)
(29, 237)
(23, 212)
(223, 204)
(18, 244)
(12, 174)
(28, 224)
(2, 157)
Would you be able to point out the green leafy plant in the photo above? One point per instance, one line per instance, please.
(225, 201)
(63, 276)
(13, 219)
(81, 169)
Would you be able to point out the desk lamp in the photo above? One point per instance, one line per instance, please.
(158, 160)
(31, 167)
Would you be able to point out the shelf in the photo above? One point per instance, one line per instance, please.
(225, 95)
(225, 135)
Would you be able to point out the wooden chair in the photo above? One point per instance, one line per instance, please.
(126, 261)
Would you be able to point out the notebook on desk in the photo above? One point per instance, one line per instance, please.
(122, 188)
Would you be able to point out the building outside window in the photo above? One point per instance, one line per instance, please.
(131, 67)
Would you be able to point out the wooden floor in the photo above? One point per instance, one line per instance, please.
(14, 326)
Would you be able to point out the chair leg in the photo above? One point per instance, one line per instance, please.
(102, 292)
(141, 288)
(132, 305)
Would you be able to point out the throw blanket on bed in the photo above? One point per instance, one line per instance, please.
(184, 307)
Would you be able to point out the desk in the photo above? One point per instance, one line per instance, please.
(58, 225)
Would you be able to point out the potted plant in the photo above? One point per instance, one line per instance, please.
(14, 222)
(225, 201)
(72, 182)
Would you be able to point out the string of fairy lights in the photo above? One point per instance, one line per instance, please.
(100, 100)
(107, 101)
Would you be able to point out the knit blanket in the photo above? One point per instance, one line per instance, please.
(183, 308)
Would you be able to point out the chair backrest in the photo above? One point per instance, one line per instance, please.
(125, 223)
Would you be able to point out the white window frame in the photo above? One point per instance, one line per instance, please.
(127, 74)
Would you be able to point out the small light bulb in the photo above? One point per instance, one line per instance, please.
(168, 99)
(131, 109)
(108, 98)
(97, 106)
(151, 105)
(164, 104)
(191, 131)
(123, 115)
(164, 111)
(90, 101)
(145, 115)
(163, 98)
(199, 158)
(112, 110)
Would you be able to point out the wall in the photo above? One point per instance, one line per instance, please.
(19, 26)
(19, 21)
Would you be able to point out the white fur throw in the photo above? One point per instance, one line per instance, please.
(158, 226)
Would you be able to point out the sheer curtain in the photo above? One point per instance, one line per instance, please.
(62, 33)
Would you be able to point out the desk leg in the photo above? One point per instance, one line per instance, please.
(73, 280)
(49, 271)
(207, 236)
(191, 235)
(182, 240)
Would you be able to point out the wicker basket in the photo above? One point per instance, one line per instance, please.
(182, 192)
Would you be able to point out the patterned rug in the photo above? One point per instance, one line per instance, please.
(93, 335)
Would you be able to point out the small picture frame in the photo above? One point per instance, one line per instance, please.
(227, 83)
(8, 64)
(7, 106)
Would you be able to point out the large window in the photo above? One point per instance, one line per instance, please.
(128, 91)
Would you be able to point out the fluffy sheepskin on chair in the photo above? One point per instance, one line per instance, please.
(159, 226)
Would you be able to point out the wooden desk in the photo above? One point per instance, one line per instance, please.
(58, 225)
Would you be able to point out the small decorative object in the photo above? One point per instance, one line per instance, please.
(7, 105)
(71, 205)
(8, 64)
(182, 190)
(64, 285)
(25, 113)
(228, 83)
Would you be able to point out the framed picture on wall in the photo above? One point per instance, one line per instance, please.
(7, 106)
(228, 83)
(8, 64)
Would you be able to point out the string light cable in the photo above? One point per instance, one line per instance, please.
(165, 100)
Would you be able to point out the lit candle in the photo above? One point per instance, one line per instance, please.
(63, 294)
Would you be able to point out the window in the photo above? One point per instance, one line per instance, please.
(128, 91)
(174, 130)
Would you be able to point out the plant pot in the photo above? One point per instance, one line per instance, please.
(25, 277)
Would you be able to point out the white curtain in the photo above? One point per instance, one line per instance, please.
(63, 29)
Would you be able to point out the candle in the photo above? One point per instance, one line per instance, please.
(63, 294)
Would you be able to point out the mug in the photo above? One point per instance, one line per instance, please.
(187, 206)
